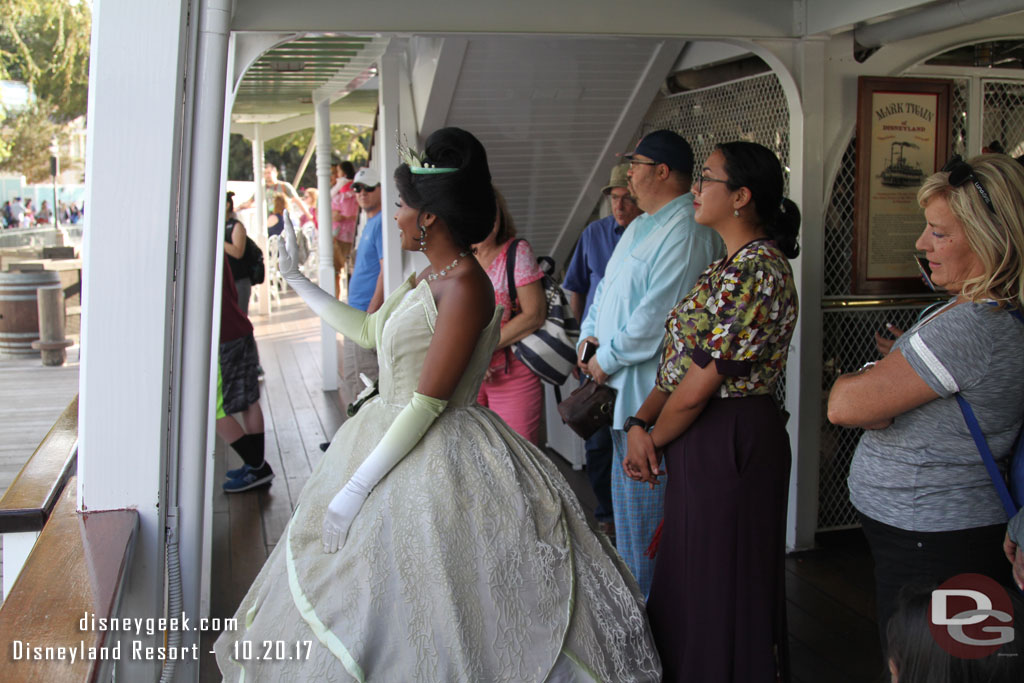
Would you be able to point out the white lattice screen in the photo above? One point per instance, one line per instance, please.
(723, 113)
(848, 335)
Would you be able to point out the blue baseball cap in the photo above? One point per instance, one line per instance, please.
(667, 148)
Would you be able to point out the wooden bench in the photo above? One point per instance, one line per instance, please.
(59, 565)
(76, 568)
(33, 494)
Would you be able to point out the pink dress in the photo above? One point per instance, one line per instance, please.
(513, 391)
(345, 203)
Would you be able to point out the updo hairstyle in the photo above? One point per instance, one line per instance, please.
(756, 168)
(463, 199)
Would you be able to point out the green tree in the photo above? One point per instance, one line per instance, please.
(286, 152)
(45, 43)
(28, 135)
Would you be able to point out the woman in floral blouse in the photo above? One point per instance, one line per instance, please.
(717, 603)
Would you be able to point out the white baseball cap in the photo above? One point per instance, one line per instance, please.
(367, 176)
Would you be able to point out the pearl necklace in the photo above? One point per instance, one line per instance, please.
(449, 267)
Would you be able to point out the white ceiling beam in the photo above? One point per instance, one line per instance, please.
(654, 18)
(433, 91)
(339, 116)
(250, 46)
(354, 74)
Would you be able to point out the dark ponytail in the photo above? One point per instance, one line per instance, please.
(756, 168)
(786, 228)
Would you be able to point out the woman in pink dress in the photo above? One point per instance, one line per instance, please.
(510, 388)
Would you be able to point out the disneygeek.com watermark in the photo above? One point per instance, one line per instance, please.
(123, 648)
(971, 616)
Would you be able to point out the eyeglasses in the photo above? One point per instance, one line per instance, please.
(701, 179)
(357, 188)
(960, 172)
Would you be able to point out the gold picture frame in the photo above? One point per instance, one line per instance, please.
(903, 136)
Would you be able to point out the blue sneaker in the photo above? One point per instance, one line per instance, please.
(236, 473)
(255, 476)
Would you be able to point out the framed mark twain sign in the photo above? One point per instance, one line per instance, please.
(903, 136)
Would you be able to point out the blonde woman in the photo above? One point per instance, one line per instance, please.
(927, 505)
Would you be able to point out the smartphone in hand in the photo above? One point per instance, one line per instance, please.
(589, 349)
(926, 272)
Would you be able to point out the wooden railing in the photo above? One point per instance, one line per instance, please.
(74, 567)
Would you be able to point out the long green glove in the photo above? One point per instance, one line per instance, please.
(356, 325)
(404, 433)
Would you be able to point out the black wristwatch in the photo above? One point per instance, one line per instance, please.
(634, 422)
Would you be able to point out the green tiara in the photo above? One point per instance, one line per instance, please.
(417, 165)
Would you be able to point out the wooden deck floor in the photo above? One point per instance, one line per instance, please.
(833, 638)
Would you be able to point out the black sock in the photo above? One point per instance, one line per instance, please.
(250, 448)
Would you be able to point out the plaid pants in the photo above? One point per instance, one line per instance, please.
(638, 511)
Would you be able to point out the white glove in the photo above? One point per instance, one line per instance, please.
(404, 433)
(356, 325)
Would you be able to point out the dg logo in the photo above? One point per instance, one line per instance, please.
(971, 616)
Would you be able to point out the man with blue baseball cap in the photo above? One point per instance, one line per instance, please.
(654, 265)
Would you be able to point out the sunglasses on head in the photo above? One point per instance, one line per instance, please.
(358, 187)
(960, 173)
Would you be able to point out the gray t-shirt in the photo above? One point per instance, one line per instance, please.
(924, 472)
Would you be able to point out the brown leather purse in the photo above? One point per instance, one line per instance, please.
(588, 408)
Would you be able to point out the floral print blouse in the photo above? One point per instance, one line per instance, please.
(741, 315)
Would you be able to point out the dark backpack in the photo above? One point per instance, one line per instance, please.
(253, 260)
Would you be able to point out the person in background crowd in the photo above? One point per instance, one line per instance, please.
(234, 247)
(28, 219)
(44, 214)
(309, 199)
(657, 261)
(510, 388)
(366, 289)
(926, 503)
(17, 212)
(581, 280)
(344, 212)
(275, 221)
(272, 186)
(238, 391)
(718, 603)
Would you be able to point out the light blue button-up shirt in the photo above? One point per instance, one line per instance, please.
(654, 265)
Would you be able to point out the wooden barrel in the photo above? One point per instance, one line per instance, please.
(19, 313)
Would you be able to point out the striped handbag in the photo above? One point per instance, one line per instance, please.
(550, 352)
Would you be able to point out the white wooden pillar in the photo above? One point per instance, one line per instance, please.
(325, 241)
(803, 372)
(129, 281)
(259, 202)
(390, 67)
(201, 260)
